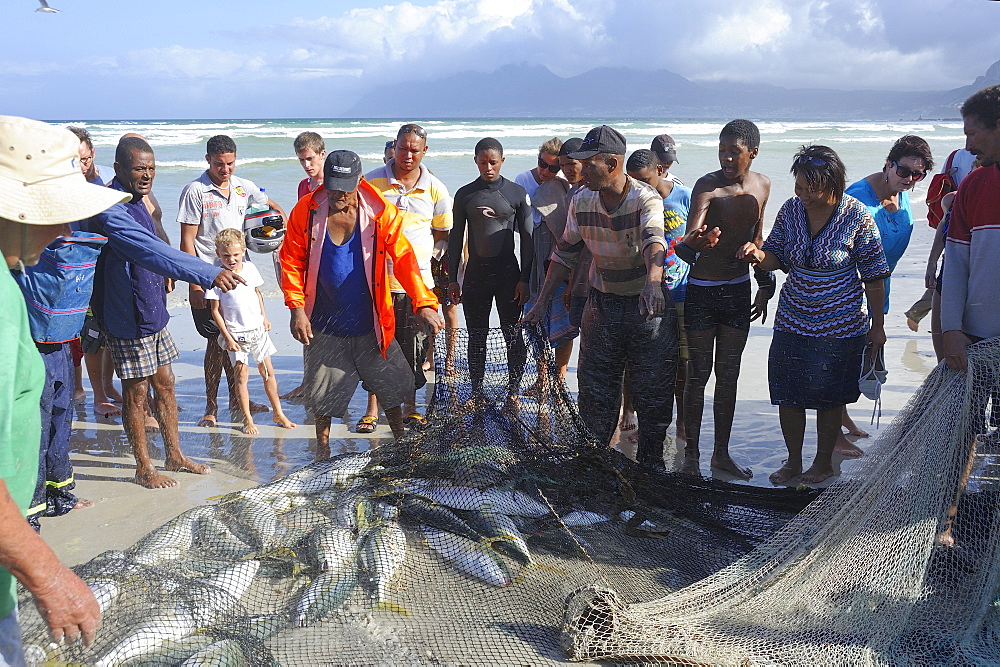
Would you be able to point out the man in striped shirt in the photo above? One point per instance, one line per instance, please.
(620, 221)
(423, 201)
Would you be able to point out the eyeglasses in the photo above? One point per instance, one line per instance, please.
(86, 160)
(904, 172)
(543, 165)
(809, 159)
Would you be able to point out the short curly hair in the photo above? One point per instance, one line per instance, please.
(744, 130)
(228, 237)
(984, 106)
(641, 159)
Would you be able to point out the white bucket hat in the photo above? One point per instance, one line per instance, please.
(40, 179)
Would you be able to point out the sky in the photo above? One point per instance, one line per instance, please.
(111, 59)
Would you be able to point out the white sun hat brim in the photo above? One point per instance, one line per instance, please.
(40, 181)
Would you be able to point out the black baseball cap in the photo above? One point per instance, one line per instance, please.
(603, 139)
(342, 171)
(664, 147)
(571, 145)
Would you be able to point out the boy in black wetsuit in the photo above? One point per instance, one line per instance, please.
(492, 208)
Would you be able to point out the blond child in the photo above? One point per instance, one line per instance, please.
(243, 326)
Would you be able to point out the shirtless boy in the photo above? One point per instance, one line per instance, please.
(727, 210)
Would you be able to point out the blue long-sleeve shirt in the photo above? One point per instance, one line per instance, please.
(129, 297)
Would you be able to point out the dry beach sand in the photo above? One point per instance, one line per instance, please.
(124, 512)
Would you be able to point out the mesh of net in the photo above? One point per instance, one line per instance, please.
(505, 534)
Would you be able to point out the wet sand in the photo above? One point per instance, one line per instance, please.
(123, 512)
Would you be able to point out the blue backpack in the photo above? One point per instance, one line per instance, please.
(57, 290)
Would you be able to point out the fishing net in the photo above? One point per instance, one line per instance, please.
(856, 577)
(460, 544)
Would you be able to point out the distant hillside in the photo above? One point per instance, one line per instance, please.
(516, 91)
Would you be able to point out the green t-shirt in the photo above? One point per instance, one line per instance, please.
(22, 375)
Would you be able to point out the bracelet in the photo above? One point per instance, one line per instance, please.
(686, 253)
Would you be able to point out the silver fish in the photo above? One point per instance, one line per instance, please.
(145, 637)
(224, 653)
(253, 521)
(332, 548)
(515, 503)
(216, 539)
(172, 541)
(171, 652)
(503, 533)
(583, 518)
(325, 594)
(106, 591)
(379, 559)
(467, 556)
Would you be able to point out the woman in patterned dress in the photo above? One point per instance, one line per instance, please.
(829, 245)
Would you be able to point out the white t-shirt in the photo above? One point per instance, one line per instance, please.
(240, 307)
(202, 204)
(527, 181)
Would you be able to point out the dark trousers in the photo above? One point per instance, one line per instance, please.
(486, 283)
(53, 495)
(616, 334)
(411, 337)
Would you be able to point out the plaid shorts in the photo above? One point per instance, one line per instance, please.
(140, 357)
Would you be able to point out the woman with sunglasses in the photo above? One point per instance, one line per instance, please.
(886, 194)
(828, 243)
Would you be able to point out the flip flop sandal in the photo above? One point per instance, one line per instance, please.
(416, 421)
(366, 424)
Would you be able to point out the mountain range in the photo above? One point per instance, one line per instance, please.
(525, 91)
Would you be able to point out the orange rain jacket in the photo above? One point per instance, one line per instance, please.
(381, 234)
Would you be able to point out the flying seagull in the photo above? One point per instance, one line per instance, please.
(45, 8)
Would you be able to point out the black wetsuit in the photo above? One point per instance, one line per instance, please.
(492, 211)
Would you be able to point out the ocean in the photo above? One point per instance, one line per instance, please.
(266, 157)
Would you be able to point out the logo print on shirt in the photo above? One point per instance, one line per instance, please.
(240, 191)
(488, 212)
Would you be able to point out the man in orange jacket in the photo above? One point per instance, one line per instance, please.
(336, 284)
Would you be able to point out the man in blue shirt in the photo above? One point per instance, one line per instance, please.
(130, 302)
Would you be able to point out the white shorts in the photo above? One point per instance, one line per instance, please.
(256, 343)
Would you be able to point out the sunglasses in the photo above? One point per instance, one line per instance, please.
(809, 159)
(543, 165)
(903, 172)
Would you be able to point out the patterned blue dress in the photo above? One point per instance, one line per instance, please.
(821, 322)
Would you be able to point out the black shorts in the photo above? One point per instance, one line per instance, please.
(718, 305)
(204, 323)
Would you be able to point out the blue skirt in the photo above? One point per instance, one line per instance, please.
(814, 373)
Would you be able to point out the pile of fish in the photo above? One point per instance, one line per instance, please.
(326, 538)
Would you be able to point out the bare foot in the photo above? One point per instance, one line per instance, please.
(83, 503)
(283, 422)
(298, 392)
(912, 323)
(184, 464)
(152, 426)
(107, 410)
(257, 407)
(691, 465)
(945, 538)
(725, 463)
(79, 396)
(208, 421)
(847, 449)
(113, 394)
(151, 479)
(250, 428)
(816, 475)
(784, 473)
